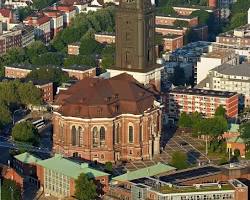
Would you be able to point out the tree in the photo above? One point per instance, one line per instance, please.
(10, 190)
(237, 153)
(245, 130)
(185, 120)
(181, 23)
(53, 74)
(108, 61)
(85, 188)
(5, 115)
(108, 166)
(217, 126)
(88, 46)
(35, 48)
(25, 132)
(220, 111)
(203, 16)
(179, 160)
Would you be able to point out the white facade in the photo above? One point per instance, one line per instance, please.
(144, 78)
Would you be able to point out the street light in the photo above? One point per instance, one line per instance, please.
(13, 117)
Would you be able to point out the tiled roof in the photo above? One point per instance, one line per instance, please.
(70, 168)
(98, 98)
(237, 70)
(27, 158)
(159, 168)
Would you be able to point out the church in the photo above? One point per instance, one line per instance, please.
(118, 118)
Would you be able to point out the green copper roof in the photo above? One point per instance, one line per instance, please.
(236, 140)
(69, 168)
(234, 128)
(153, 170)
(27, 158)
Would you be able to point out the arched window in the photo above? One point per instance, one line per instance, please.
(117, 132)
(130, 134)
(102, 134)
(73, 135)
(79, 136)
(95, 137)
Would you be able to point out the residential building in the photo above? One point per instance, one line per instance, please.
(74, 48)
(57, 176)
(202, 101)
(239, 37)
(172, 42)
(69, 12)
(17, 71)
(47, 90)
(170, 20)
(17, 3)
(233, 78)
(41, 24)
(166, 29)
(213, 59)
(7, 15)
(10, 39)
(28, 34)
(187, 10)
(105, 38)
(201, 32)
(148, 188)
(107, 120)
(80, 72)
(56, 21)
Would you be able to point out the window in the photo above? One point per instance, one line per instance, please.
(117, 132)
(102, 133)
(73, 136)
(61, 132)
(95, 136)
(79, 136)
(130, 134)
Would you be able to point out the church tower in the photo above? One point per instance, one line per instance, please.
(135, 42)
(135, 35)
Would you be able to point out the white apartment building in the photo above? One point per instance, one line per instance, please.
(214, 59)
(230, 78)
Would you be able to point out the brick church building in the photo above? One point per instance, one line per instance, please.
(117, 118)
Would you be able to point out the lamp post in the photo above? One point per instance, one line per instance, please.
(13, 117)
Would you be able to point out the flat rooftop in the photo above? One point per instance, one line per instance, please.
(218, 54)
(202, 92)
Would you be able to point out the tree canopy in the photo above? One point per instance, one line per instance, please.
(85, 188)
(5, 115)
(10, 190)
(220, 111)
(179, 160)
(25, 132)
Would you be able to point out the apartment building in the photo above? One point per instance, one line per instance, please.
(166, 29)
(172, 42)
(10, 39)
(239, 37)
(152, 189)
(69, 12)
(56, 21)
(74, 48)
(17, 71)
(233, 78)
(80, 72)
(203, 101)
(105, 38)
(28, 34)
(41, 24)
(213, 59)
(170, 20)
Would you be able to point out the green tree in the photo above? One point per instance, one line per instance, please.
(85, 188)
(108, 61)
(108, 166)
(179, 160)
(53, 74)
(5, 115)
(34, 49)
(203, 16)
(88, 46)
(185, 120)
(25, 132)
(217, 126)
(29, 94)
(220, 111)
(10, 190)
(245, 130)
(181, 23)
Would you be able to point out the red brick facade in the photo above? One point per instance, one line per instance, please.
(172, 43)
(47, 91)
(14, 72)
(10, 40)
(10, 173)
(166, 20)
